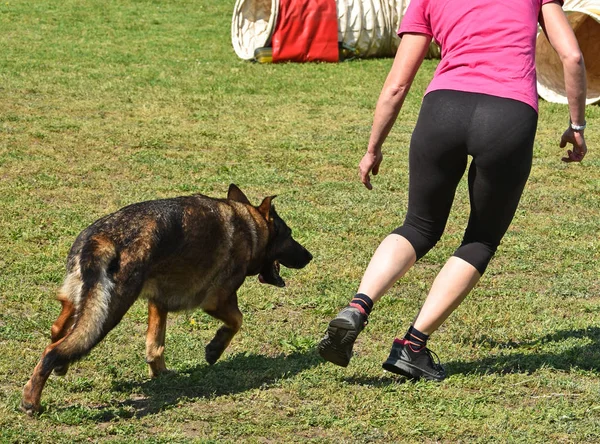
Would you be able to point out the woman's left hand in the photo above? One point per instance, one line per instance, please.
(576, 139)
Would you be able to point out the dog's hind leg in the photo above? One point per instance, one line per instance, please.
(33, 389)
(228, 312)
(61, 326)
(102, 309)
(64, 321)
(155, 339)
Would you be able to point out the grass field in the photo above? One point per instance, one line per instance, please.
(107, 103)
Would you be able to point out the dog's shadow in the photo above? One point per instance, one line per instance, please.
(234, 374)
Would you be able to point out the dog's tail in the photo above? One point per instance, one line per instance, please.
(89, 287)
(91, 307)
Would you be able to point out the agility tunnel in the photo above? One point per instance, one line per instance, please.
(333, 30)
(584, 17)
(317, 30)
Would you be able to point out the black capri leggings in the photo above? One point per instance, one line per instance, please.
(498, 133)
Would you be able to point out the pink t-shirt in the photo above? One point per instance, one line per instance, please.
(487, 46)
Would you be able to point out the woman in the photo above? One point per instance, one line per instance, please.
(482, 102)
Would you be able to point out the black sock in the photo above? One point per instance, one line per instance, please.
(417, 339)
(363, 303)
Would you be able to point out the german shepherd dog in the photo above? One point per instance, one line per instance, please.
(178, 253)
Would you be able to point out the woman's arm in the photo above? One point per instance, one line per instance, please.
(410, 55)
(556, 26)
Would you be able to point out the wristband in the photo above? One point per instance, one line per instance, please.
(578, 127)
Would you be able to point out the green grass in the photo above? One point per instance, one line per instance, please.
(107, 103)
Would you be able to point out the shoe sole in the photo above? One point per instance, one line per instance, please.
(409, 371)
(333, 347)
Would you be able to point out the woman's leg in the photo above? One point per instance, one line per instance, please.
(497, 175)
(437, 161)
(392, 259)
(456, 279)
(500, 139)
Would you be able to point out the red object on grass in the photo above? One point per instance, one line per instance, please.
(306, 31)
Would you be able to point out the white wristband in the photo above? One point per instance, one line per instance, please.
(578, 127)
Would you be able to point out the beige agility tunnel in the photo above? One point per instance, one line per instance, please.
(368, 27)
(584, 17)
(252, 25)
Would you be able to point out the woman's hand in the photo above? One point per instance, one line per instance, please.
(576, 139)
(369, 164)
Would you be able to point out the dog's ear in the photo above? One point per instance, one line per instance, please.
(234, 193)
(265, 207)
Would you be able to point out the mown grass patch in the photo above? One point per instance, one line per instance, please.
(107, 103)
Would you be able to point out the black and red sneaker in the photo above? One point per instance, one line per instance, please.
(336, 346)
(414, 364)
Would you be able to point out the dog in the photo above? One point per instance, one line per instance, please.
(178, 254)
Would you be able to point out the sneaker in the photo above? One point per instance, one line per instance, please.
(403, 360)
(336, 346)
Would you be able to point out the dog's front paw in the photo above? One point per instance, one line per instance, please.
(156, 367)
(213, 352)
(157, 374)
(30, 408)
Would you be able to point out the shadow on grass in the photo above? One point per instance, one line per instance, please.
(243, 372)
(378, 382)
(567, 357)
(535, 355)
(235, 374)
